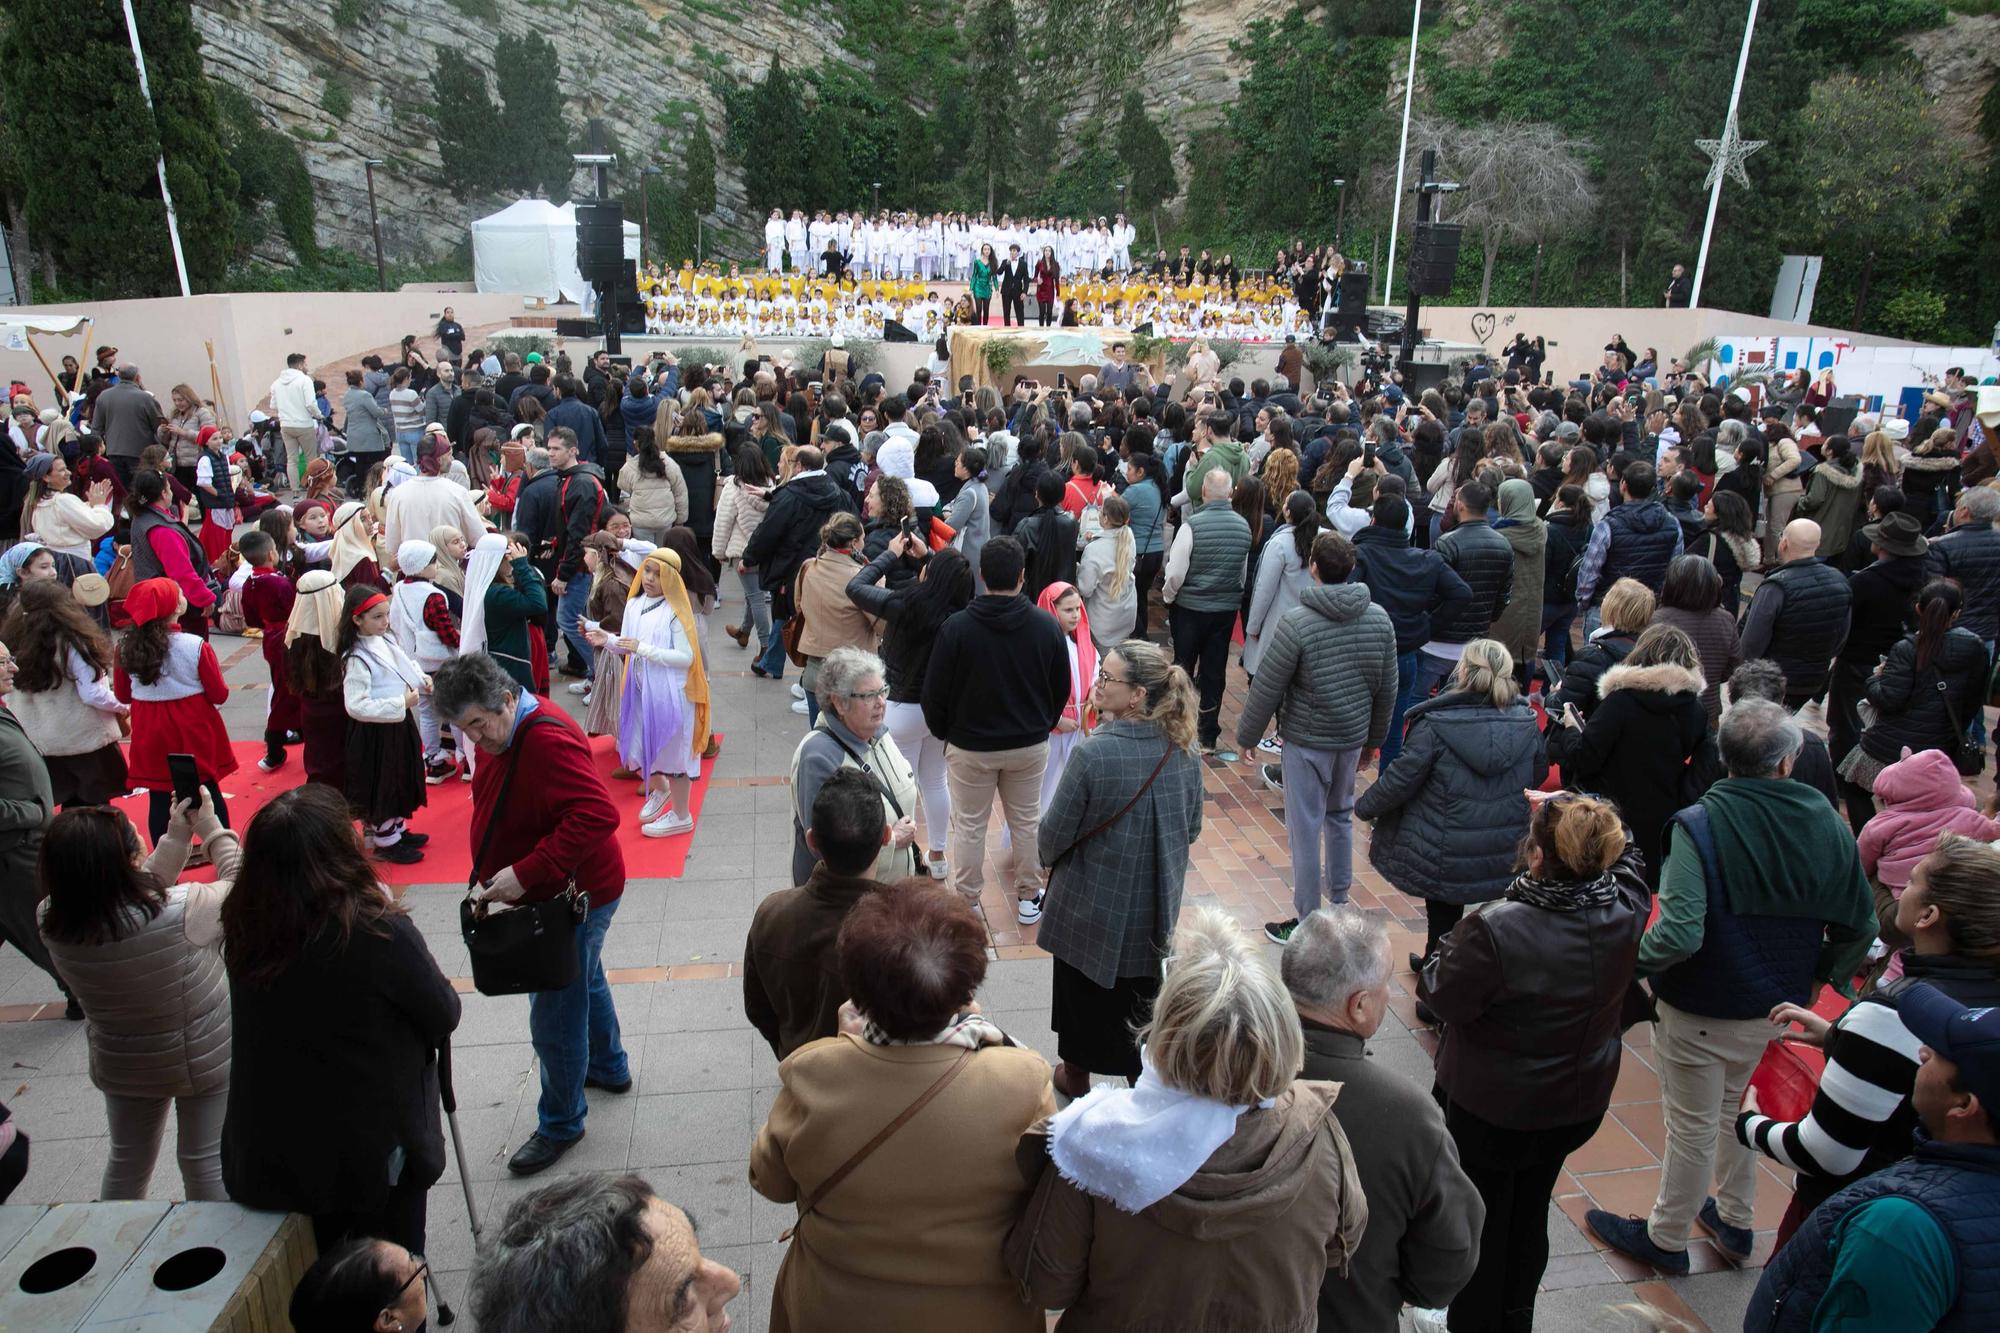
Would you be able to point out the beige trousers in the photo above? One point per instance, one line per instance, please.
(974, 778)
(1704, 1064)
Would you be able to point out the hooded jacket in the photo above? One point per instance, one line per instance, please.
(1448, 813)
(1915, 800)
(1416, 588)
(1832, 500)
(998, 677)
(1225, 454)
(1240, 1247)
(583, 502)
(1635, 748)
(1328, 673)
(699, 458)
(790, 532)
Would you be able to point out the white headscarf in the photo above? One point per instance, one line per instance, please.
(400, 470)
(415, 556)
(480, 567)
(351, 541)
(317, 610)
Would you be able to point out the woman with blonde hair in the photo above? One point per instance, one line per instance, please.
(1626, 611)
(1115, 835)
(183, 428)
(1449, 810)
(1281, 473)
(450, 572)
(1104, 575)
(664, 713)
(1532, 993)
(1217, 1183)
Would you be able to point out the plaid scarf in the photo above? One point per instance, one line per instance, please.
(968, 1030)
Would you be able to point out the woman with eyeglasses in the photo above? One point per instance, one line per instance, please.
(362, 1286)
(850, 733)
(1115, 836)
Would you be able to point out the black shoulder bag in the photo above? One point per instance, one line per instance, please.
(529, 946)
(888, 793)
(1969, 759)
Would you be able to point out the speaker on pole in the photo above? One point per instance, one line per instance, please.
(1352, 312)
(600, 240)
(1434, 258)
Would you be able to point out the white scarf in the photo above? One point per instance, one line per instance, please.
(480, 571)
(1135, 1146)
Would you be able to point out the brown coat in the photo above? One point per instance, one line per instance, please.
(832, 619)
(1241, 1247)
(792, 991)
(910, 1241)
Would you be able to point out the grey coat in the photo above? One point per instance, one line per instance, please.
(1112, 903)
(366, 425)
(27, 804)
(1328, 672)
(1275, 587)
(1449, 813)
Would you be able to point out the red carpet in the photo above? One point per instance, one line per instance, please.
(448, 818)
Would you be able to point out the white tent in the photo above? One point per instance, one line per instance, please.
(530, 247)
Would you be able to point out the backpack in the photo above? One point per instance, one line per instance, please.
(1091, 520)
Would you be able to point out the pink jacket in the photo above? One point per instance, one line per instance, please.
(1917, 798)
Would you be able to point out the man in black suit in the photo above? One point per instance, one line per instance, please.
(1013, 288)
(1679, 288)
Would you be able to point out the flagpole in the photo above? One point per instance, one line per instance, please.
(1719, 168)
(166, 195)
(1402, 153)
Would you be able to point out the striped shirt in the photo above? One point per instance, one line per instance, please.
(1871, 1067)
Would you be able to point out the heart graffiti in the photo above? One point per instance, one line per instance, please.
(1482, 326)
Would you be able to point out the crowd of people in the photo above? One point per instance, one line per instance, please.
(1669, 703)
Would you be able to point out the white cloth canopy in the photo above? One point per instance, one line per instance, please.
(14, 332)
(530, 247)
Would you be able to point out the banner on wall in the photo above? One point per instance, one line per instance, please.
(1878, 375)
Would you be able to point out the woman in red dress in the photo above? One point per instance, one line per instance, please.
(174, 684)
(1045, 287)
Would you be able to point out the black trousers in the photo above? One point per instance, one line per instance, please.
(1201, 648)
(1145, 576)
(1439, 918)
(1013, 307)
(1045, 312)
(982, 309)
(400, 1220)
(1515, 1172)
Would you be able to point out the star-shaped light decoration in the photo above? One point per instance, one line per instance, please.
(1727, 154)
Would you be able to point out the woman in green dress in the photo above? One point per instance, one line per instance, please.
(983, 269)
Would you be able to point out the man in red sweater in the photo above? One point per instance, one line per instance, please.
(529, 838)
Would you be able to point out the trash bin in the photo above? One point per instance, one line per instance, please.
(53, 1276)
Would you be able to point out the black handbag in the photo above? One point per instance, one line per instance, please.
(530, 946)
(1966, 756)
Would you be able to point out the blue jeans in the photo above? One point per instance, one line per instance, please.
(1406, 692)
(569, 611)
(1319, 807)
(407, 442)
(1556, 621)
(575, 1034)
(772, 658)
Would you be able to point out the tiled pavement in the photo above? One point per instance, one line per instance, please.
(705, 1080)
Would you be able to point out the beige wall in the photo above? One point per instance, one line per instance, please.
(251, 332)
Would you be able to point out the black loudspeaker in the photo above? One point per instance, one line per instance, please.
(577, 328)
(600, 240)
(1434, 258)
(892, 332)
(1352, 312)
(1838, 415)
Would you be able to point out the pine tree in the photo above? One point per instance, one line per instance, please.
(773, 136)
(467, 121)
(993, 44)
(98, 214)
(698, 166)
(1147, 158)
(535, 144)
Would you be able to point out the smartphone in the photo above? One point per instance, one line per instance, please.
(187, 779)
(1368, 454)
(1062, 380)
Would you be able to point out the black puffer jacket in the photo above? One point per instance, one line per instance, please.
(1910, 709)
(1532, 1002)
(1604, 650)
(1449, 813)
(1485, 560)
(1644, 540)
(790, 533)
(1417, 588)
(1569, 535)
(1972, 556)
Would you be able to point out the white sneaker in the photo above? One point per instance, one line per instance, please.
(656, 801)
(939, 868)
(799, 707)
(580, 688)
(667, 825)
(1028, 911)
(798, 690)
(1271, 745)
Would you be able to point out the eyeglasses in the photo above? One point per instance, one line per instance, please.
(420, 1274)
(1106, 678)
(870, 696)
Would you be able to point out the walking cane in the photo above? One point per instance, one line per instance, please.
(450, 1099)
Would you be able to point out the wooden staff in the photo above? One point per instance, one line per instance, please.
(215, 383)
(77, 388)
(54, 378)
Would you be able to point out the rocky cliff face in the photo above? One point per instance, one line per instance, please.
(627, 61)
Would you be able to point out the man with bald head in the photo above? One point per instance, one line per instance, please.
(1799, 616)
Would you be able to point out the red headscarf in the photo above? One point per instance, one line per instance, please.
(206, 434)
(153, 599)
(1086, 651)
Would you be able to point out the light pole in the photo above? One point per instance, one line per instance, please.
(375, 223)
(1340, 220)
(645, 208)
(1728, 151)
(1402, 151)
